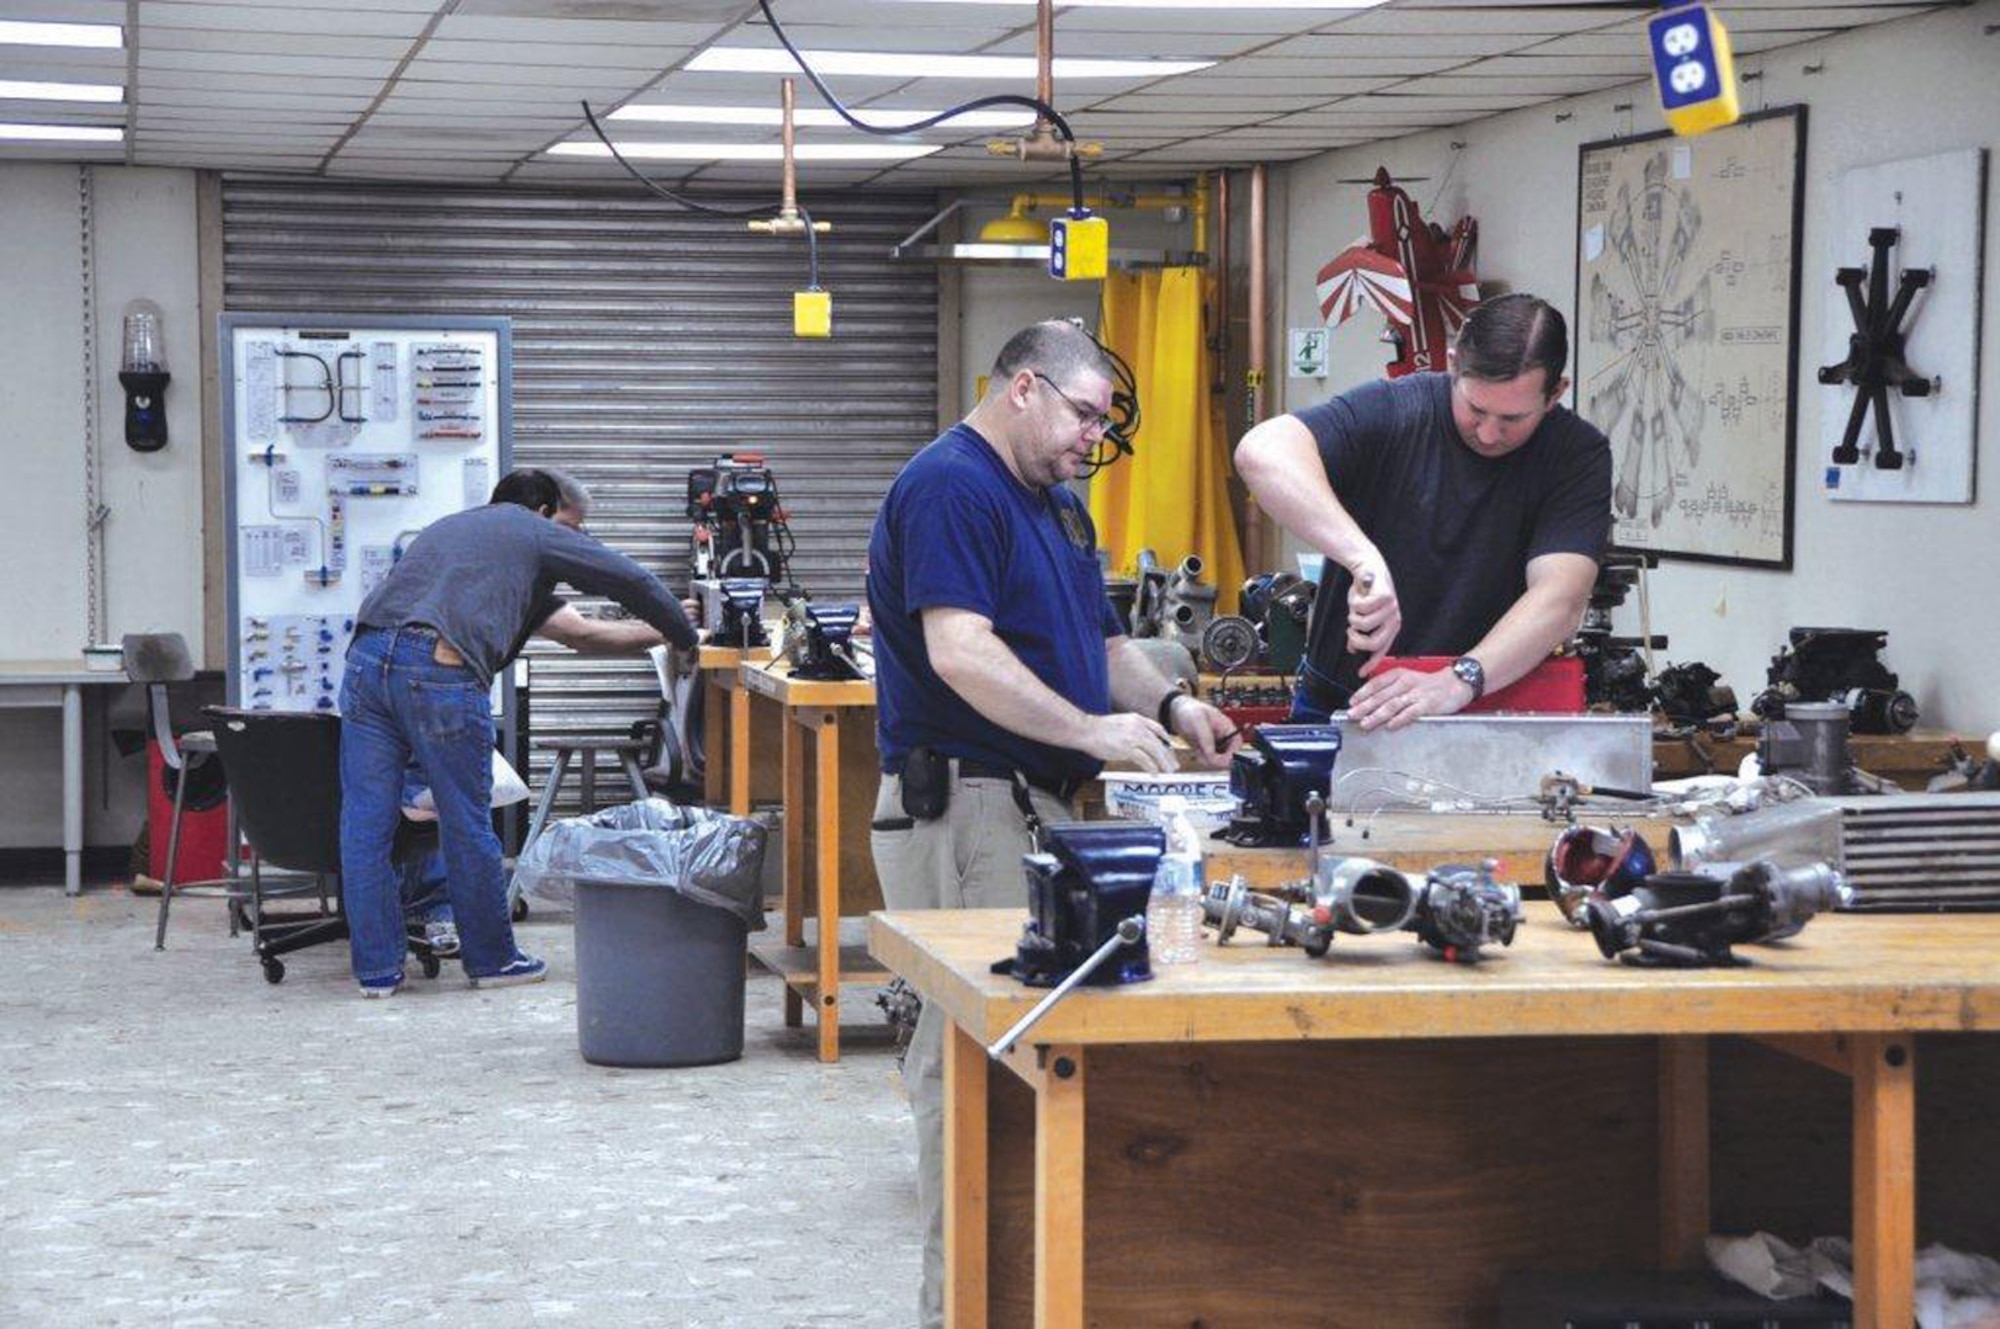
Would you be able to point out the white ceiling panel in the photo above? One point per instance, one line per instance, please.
(345, 21)
(650, 58)
(270, 43)
(1342, 45)
(461, 26)
(1155, 44)
(1421, 17)
(233, 63)
(477, 88)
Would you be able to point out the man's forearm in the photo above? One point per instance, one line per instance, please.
(617, 637)
(1542, 619)
(1137, 685)
(994, 682)
(1281, 466)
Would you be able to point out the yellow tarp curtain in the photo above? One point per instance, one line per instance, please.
(1172, 494)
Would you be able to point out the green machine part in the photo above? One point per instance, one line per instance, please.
(1285, 627)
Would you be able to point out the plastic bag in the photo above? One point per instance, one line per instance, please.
(508, 788)
(709, 857)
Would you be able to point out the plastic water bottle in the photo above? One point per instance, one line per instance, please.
(1174, 909)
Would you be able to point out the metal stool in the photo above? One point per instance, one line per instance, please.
(628, 751)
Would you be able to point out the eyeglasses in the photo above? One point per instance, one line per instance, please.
(1087, 418)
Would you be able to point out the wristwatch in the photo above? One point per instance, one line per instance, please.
(1472, 674)
(1165, 714)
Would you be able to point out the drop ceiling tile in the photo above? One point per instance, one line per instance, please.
(1423, 17)
(233, 64)
(51, 64)
(1314, 85)
(1475, 85)
(346, 20)
(1149, 43)
(172, 80)
(1633, 66)
(24, 112)
(651, 58)
(250, 102)
(964, 39)
(72, 11)
(1340, 44)
(461, 26)
(271, 43)
(1284, 69)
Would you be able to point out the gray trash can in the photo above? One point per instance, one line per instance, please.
(659, 979)
(665, 900)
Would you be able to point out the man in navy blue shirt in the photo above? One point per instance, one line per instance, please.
(1461, 514)
(1003, 676)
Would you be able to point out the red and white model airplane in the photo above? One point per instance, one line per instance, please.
(1418, 276)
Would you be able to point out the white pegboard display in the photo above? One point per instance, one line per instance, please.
(344, 438)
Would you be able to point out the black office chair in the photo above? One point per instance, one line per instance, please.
(284, 775)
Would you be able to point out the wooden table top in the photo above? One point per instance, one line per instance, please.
(774, 680)
(1418, 842)
(72, 670)
(730, 658)
(1844, 973)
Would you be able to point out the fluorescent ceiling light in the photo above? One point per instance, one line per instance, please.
(64, 133)
(752, 152)
(61, 92)
(18, 33)
(885, 64)
(816, 117)
(1175, 4)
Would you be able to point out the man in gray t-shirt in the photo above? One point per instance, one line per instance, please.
(456, 608)
(1461, 514)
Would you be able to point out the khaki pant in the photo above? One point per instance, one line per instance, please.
(970, 858)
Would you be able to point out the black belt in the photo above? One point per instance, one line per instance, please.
(1062, 790)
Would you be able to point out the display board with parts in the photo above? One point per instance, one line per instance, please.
(345, 439)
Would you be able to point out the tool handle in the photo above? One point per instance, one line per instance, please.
(1127, 932)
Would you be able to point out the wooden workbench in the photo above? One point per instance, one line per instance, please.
(738, 773)
(1909, 760)
(1277, 1141)
(1418, 842)
(828, 806)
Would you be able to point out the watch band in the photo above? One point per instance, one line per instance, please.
(1165, 713)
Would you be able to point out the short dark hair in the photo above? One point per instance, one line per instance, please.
(1057, 347)
(1504, 338)
(530, 488)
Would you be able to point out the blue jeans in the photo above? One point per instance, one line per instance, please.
(424, 896)
(398, 705)
(1316, 696)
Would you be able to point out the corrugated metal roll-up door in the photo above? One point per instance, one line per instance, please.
(646, 341)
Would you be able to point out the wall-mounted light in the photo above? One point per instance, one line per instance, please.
(142, 372)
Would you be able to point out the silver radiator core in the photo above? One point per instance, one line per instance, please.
(1921, 851)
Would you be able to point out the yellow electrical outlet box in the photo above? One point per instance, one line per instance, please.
(1694, 70)
(1079, 247)
(812, 313)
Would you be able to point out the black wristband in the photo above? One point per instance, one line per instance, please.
(1166, 712)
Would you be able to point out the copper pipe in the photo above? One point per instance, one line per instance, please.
(788, 98)
(1255, 536)
(1221, 281)
(1045, 58)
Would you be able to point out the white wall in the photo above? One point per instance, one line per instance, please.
(145, 247)
(1903, 89)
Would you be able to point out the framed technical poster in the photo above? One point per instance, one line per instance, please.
(1687, 306)
(344, 438)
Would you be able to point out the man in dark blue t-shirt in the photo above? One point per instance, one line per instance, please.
(1002, 675)
(1461, 514)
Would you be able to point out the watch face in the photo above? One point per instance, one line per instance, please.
(1469, 670)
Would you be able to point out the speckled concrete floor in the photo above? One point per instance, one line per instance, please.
(182, 1144)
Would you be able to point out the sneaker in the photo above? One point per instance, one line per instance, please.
(441, 935)
(381, 987)
(521, 969)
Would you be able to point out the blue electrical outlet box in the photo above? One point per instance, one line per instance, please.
(1694, 70)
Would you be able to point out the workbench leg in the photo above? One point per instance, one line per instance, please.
(714, 772)
(1684, 1181)
(826, 798)
(965, 1137)
(1059, 1191)
(795, 847)
(72, 788)
(1885, 1180)
(739, 751)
